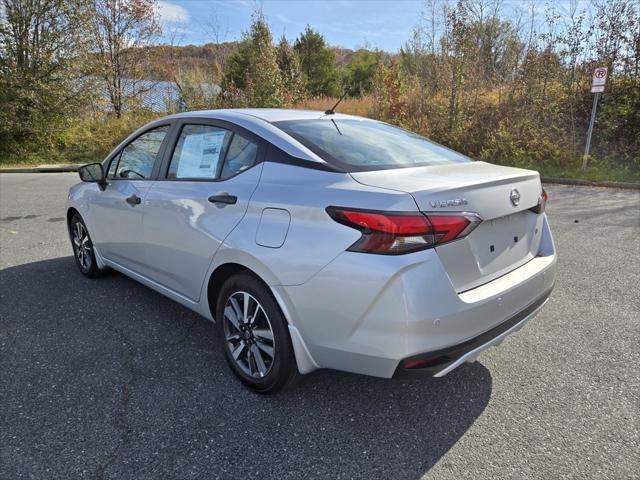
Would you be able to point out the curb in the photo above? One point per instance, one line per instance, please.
(590, 183)
(52, 169)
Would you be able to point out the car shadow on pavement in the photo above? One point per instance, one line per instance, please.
(107, 379)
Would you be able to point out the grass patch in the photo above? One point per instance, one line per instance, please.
(353, 106)
(595, 173)
(91, 140)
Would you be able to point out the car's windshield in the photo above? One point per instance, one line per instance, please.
(357, 145)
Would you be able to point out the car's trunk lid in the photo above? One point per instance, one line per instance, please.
(509, 234)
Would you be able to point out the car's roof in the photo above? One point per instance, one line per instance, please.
(267, 114)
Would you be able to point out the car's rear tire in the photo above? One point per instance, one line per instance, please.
(254, 334)
(83, 251)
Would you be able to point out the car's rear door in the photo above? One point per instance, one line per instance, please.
(117, 210)
(202, 193)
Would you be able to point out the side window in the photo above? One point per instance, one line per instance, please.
(241, 155)
(137, 158)
(199, 152)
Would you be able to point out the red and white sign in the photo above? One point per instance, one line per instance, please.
(599, 79)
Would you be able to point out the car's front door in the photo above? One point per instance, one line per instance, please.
(118, 209)
(209, 178)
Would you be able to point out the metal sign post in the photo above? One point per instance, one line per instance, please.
(597, 87)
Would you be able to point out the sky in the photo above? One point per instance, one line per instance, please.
(350, 24)
(383, 24)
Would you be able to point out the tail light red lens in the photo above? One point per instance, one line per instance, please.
(395, 233)
(381, 222)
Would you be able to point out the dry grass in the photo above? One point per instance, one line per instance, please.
(354, 106)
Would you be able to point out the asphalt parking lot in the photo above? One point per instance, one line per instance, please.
(106, 379)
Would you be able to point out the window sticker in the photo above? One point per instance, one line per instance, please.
(200, 154)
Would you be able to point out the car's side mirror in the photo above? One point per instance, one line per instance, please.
(93, 172)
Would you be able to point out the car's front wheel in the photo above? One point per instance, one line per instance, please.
(254, 334)
(83, 247)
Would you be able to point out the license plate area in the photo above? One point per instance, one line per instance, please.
(472, 261)
(503, 241)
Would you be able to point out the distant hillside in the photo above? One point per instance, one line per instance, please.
(343, 56)
(166, 60)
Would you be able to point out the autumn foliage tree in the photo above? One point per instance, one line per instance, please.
(290, 70)
(264, 85)
(389, 92)
(120, 29)
(41, 45)
(253, 71)
(515, 89)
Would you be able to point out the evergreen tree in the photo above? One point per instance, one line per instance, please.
(318, 63)
(235, 71)
(358, 76)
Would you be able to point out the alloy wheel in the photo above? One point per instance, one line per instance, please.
(249, 335)
(82, 245)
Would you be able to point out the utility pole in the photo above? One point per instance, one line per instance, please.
(597, 87)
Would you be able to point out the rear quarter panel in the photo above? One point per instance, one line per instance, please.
(312, 239)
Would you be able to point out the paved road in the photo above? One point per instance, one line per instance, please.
(107, 379)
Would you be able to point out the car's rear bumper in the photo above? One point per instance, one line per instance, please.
(439, 363)
(366, 314)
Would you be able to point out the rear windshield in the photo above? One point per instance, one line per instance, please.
(361, 145)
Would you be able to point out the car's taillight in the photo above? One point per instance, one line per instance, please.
(394, 233)
(542, 203)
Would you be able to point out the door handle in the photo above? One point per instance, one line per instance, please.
(223, 198)
(133, 200)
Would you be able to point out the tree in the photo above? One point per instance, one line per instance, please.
(291, 72)
(41, 44)
(358, 76)
(252, 72)
(389, 93)
(235, 70)
(420, 64)
(617, 42)
(195, 91)
(318, 63)
(119, 30)
(264, 86)
(456, 42)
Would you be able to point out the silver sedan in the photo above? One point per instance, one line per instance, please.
(319, 240)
